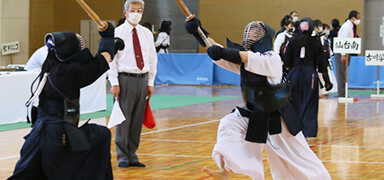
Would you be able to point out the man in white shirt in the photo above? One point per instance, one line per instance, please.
(37, 59)
(346, 31)
(132, 75)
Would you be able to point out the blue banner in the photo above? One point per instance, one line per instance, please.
(224, 77)
(198, 69)
(361, 76)
(188, 69)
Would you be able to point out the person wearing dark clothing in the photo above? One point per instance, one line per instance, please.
(283, 23)
(267, 118)
(304, 54)
(336, 26)
(163, 41)
(121, 21)
(318, 29)
(56, 148)
(296, 21)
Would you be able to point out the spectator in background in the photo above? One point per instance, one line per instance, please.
(149, 26)
(121, 21)
(346, 31)
(283, 23)
(304, 58)
(318, 29)
(282, 39)
(296, 21)
(336, 26)
(295, 16)
(164, 39)
(327, 55)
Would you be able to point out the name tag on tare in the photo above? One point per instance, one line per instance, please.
(302, 52)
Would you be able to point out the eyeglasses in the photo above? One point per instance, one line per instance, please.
(135, 10)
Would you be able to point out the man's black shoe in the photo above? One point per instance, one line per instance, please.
(138, 164)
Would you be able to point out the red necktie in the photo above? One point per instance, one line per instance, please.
(137, 49)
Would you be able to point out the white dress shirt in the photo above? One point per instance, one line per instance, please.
(124, 61)
(37, 59)
(346, 31)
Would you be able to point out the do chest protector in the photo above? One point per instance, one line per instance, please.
(261, 96)
(263, 102)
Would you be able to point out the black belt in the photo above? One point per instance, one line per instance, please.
(133, 74)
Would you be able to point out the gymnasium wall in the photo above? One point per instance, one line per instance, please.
(29, 20)
(227, 18)
(14, 20)
(65, 15)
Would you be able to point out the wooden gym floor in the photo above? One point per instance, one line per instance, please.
(349, 143)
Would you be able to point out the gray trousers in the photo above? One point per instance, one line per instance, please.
(340, 75)
(132, 97)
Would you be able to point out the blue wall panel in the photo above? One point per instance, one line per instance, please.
(198, 69)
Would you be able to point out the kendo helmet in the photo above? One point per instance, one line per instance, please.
(258, 37)
(165, 26)
(65, 44)
(306, 25)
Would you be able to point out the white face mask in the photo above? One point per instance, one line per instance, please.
(326, 32)
(135, 17)
(295, 19)
(357, 22)
(320, 29)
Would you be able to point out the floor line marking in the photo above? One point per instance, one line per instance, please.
(180, 127)
(9, 157)
(341, 146)
(172, 140)
(188, 163)
(362, 162)
(365, 118)
(343, 137)
(173, 155)
(152, 132)
(316, 145)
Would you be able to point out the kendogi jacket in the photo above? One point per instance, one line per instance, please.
(266, 98)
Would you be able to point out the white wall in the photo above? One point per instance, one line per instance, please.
(14, 26)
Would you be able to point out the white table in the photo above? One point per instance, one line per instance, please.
(15, 91)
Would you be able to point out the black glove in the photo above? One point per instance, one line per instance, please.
(328, 84)
(107, 42)
(109, 32)
(191, 27)
(231, 55)
(119, 44)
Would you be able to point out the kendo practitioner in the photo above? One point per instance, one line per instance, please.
(267, 117)
(303, 58)
(163, 41)
(56, 148)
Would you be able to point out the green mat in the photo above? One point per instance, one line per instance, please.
(157, 102)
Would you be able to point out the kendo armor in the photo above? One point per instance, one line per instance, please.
(262, 99)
